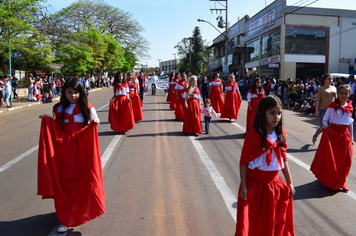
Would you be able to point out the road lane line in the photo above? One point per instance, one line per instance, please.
(110, 149)
(18, 158)
(351, 194)
(229, 198)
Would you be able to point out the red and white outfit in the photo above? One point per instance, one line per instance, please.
(255, 99)
(69, 166)
(172, 86)
(268, 208)
(121, 116)
(216, 96)
(181, 87)
(232, 101)
(136, 101)
(169, 95)
(333, 158)
(192, 115)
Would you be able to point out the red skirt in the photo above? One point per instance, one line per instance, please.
(136, 106)
(192, 117)
(170, 94)
(251, 114)
(232, 105)
(121, 115)
(268, 209)
(180, 106)
(69, 173)
(172, 103)
(217, 99)
(333, 158)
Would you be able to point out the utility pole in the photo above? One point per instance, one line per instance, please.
(226, 36)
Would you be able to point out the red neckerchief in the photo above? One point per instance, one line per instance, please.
(121, 86)
(232, 84)
(252, 148)
(182, 83)
(348, 108)
(133, 85)
(196, 91)
(70, 117)
(216, 80)
(258, 94)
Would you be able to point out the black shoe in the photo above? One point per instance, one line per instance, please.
(207, 131)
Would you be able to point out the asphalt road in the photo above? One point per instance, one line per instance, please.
(159, 181)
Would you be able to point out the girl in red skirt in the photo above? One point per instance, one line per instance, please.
(69, 162)
(332, 161)
(232, 100)
(265, 202)
(174, 81)
(192, 116)
(180, 88)
(121, 115)
(171, 84)
(216, 95)
(254, 96)
(135, 97)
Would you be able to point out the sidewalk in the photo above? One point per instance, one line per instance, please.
(22, 102)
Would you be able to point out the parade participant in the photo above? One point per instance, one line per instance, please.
(192, 116)
(333, 158)
(175, 80)
(154, 81)
(135, 98)
(180, 88)
(254, 96)
(170, 90)
(326, 94)
(232, 100)
(141, 82)
(216, 95)
(121, 115)
(207, 110)
(69, 162)
(204, 88)
(265, 202)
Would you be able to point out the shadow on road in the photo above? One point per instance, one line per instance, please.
(163, 120)
(179, 133)
(204, 137)
(31, 226)
(305, 148)
(313, 189)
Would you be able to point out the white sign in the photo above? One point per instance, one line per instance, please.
(270, 60)
(273, 65)
(262, 23)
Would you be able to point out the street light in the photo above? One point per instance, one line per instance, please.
(200, 20)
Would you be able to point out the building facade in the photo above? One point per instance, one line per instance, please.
(292, 42)
(168, 66)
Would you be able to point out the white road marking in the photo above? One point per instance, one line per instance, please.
(18, 158)
(228, 196)
(351, 194)
(109, 150)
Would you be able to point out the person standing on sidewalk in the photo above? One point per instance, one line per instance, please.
(7, 82)
(154, 81)
(30, 81)
(141, 82)
(14, 86)
(324, 97)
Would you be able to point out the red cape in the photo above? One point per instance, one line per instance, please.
(252, 147)
(348, 108)
(70, 171)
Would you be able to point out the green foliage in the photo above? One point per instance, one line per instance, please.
(29, 47)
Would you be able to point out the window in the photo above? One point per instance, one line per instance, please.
(252, 51)
(271, 45)
(305, 41)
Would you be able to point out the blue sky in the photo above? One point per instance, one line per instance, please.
(166, 22)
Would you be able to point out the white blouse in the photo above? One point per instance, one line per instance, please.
(215, 83)
(228, 88)
(250, 95)
(79, 117)
(260, 162)
(179, 87)
(125, 91)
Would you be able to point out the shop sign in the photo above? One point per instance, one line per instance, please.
(270, 60)
(262, 23)
(225, 69)
(273, 65)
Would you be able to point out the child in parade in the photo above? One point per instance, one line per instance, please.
(216, 95)
(254, 96)
(180, 88)
(333, 158)
(265, 202)
(135, 97)
(208, 110)
(69, 162)
(170, 89)
(192, 116)
(232, 100)
(174, 81)
(121, 115)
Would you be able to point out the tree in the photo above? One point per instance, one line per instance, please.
(29, 47)
(193, 49)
